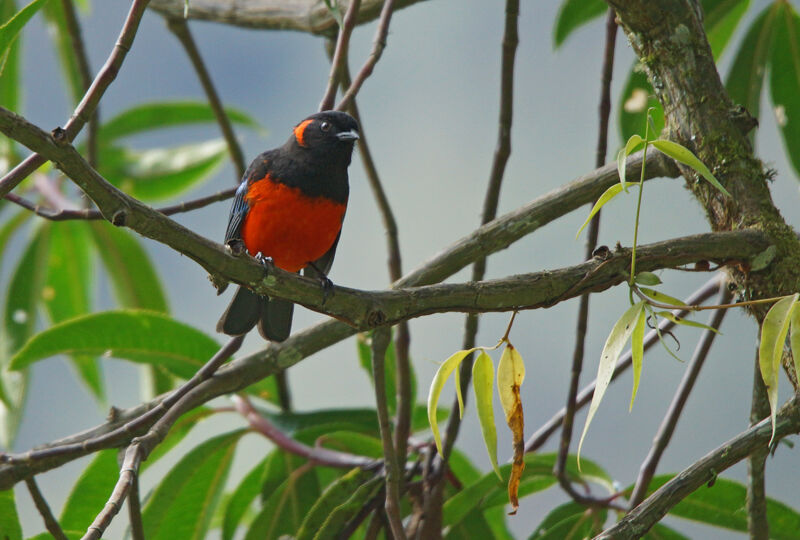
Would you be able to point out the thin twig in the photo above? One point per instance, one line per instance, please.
(180, 28)
(82, 61)
(757, 523)
(380, 341)
(378, 44)
(88, 104)
(591, 243)
(665, 431)
(93, 214)
(540, 437)
(636, 523)
(135, 510)
(50, 522)
(339, 59)
(316, 455)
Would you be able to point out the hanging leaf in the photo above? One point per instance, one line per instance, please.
(774, 330)
(241, 500)
(721, 17)
(483, 385)
(637, 352)
(435, 391)
(510, 374)
(684, 155)
(784, 81)
(10, 527)
(91, 491)
(607, 195)
(572, 15)
(686, 322)
(615, 342)
(662, 298)
(12, 27)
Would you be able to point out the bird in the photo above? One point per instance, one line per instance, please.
(289, 208)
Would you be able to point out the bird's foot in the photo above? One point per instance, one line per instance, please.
(264, 261)
(235, 246)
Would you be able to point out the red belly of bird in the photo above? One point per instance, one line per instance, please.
(290, 227)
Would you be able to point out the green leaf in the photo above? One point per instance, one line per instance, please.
(62, 45)
(182, 504)
(661, 298)
(483, 385)
(616, 341)
(437, 384)
(286, 504)
(241, 500)
(795, 339)
(746, 76)
(607, 195)
(622, 158)
(722, 505)
(637, 352)
(139, 336)
(133, 276)
(9, 82)
(26, 283)
(350, 419)
(763, 259)
(784, 82)
(572, 15)
(684, 155)
(10, 527)
(488, 492)
(472, 527)
(774, 330)
(166, 114)
(636, 99)
(66, 293)
(680, 320)
(338, 504)
(570, 521)
(720, 21)
(662, 532)
(161, 173)
(647, 278)
(12, 27)
(10, 227)
(91, 491)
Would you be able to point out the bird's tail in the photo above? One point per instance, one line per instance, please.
(274, 316)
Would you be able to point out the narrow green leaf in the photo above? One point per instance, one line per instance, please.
(684, 155)
(10, 528)
(318, 523)
(636, 99)
(762, 260)
(139, 336)
(361, 420)
(483, 385)
(616, 341)
(746, 76)
(9, 82)
(437, 384)
(774, 330)
(622, 158)
(570, 521)
(572, 15)
(647, 278)
(722, 504)
(784, 81)
(662, 532)
(686, 322)
(473, 526)
(662, 298)
(26, 283)
(390, 371)
(721, 19)
(10, 227)
(607, 195)
(241, 500)
(183, 503)
(637, 352)
(166, 114)
(12, 27)
(67, 290)
(91, 491)
(795, 338)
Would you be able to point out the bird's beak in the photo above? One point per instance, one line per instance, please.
(351, 135)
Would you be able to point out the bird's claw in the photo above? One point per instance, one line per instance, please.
(264, 261)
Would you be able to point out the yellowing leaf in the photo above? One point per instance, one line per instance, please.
(795, 340)
(437, 384)
(684, 155)
(607, 195)
(637, 352)
(483, 384)
(608, 359)
(773, 335)
(680, 320)
(661, 297)
(510, 374)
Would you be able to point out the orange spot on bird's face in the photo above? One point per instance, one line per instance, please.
(300, 131)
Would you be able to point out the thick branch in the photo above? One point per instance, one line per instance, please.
(310, 16)
(655, 507)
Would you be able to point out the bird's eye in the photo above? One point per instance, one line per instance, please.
(325, 126)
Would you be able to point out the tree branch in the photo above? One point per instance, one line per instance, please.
(656, 506)
(339, 59)
(50, 522)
